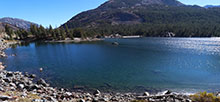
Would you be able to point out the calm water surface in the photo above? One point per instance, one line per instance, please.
(179, 64)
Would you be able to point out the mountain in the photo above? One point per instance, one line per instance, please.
(114, 4)
(2, 26)
(211, 6)
(17, 22)
(118, 12)
(148, 18)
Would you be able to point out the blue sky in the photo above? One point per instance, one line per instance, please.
(57, 12)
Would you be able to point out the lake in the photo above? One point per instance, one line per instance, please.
(142, 64)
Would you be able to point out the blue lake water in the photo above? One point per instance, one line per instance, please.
(143, 64)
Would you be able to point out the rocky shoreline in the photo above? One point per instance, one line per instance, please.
(16, 86)
(24, 87)
(3, 46)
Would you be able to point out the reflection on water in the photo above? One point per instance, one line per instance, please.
(181, 64)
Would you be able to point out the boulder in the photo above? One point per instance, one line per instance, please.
(9, 74)
(2, 89)
(7, 80)
(218, 94)
(68, 94)
(34, 87)
(82, 100)
(4, 98)
(36, 100)
(97, 93)
(146, 94)
(12, 84)
(115, 43)
(20, 86)
(166, 92)
(32, 76)
(42, 82)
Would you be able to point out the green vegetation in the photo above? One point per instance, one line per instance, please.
(41, 33)
(204, 97)
(150, 21)
(9, 31)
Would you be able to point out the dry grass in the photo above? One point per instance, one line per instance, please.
(139, 101)
(205, 97)
(17, 96)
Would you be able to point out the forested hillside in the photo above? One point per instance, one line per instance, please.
(148, 18)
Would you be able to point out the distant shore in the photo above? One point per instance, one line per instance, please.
(121, 36)
(75, 40)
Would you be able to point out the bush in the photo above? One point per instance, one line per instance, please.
(139, 101)
(205, 97)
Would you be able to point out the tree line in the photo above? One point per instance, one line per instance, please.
(157, 22)
(41, 33)
(187, 29)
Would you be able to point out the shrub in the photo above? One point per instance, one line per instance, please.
(204, 97)
(139, 101)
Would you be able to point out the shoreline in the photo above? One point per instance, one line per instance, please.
(75, 40)
(18, 86)
(28, 86)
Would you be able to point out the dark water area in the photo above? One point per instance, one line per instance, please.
(143, 64)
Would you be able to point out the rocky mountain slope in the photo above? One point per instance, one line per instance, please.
(211, 6)
(130, 12)
(19, 23)
(116, 12)
(2, 26)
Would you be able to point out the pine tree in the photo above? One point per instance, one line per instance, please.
(67, 30)
(63, 33)
(9, 31)
(57, 34)
(71, 34)
(42, 32)
(34, 30)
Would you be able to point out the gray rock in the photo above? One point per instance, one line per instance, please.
(51, 99)
(103, 100)
(166, 92)
(218, 94)
(1, 76)
(88, 95)
(95, 100)
(13, 85)
(2, 89)
(26, 74)
(115, 43)
(82, 100)
(9, 74)
(32, 76)
(42, 82)
(37, 100)
(88, 99)
(68, 94)
(7, 80)
(21, 86)
(24, 94)
(12, 88)
(97, 93)
(34, 87)
(146, 94)
(4, 98)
